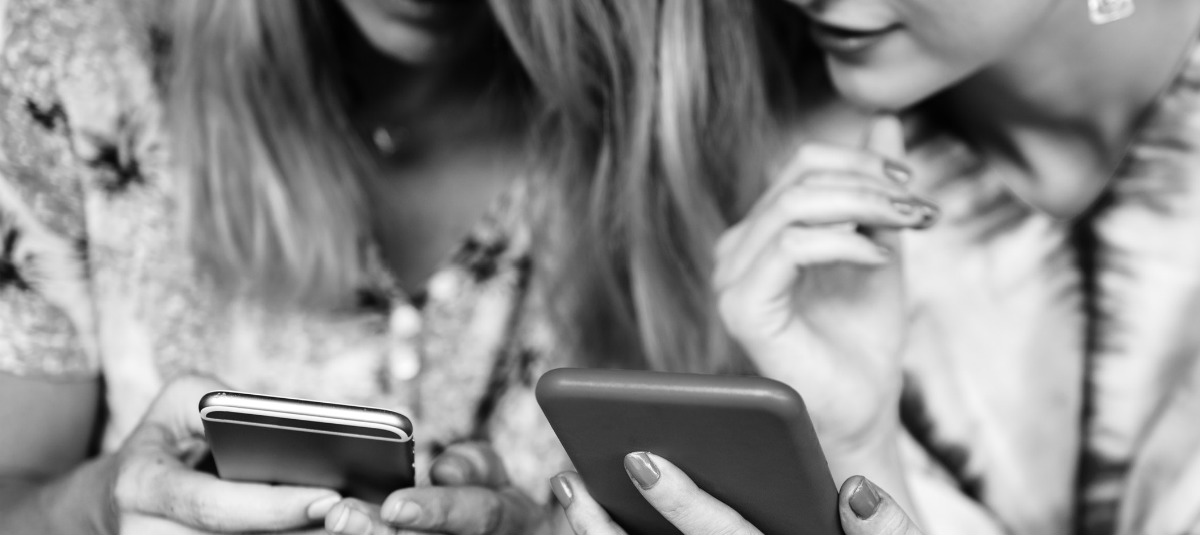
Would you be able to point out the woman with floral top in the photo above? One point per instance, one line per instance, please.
(286, 233)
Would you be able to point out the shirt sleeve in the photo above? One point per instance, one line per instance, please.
(46, 314)
(45, 309)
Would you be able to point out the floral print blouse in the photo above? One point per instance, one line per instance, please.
(95, 281)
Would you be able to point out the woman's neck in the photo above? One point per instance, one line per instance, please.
(1064, 108)
(462, 92)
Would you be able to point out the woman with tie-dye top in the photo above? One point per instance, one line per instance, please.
(1023, 355)
(338, 200)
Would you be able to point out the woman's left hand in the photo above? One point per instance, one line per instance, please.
(864, 508)
(472, 496)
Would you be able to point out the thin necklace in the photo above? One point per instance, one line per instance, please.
(387, 141)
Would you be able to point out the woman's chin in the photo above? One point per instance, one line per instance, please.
(872, 90)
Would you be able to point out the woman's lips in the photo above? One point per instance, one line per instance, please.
(846, 42)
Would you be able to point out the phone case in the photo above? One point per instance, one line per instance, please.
(748, 441)
(362, 452)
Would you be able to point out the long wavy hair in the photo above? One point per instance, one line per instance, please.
(667, 109)
(653, 114)
(272, 196)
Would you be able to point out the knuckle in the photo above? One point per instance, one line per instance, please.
(794, 199)
(494, 515)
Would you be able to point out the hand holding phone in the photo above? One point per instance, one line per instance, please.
(746, 441)
(153, 490)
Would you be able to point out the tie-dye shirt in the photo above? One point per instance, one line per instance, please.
(1053, 383)
(95, 281)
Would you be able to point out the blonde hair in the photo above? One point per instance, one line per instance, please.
(652, 114)
(663, 107)
(272, 197)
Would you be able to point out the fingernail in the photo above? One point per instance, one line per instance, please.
(897, 171)
(904, 208)
(562, 490)
(865, 499)
(318, 509)
(403, 512)
(454, 470)
(642, 469)
(929, 215)
(350, 521)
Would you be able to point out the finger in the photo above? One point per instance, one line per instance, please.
(469, 464)
(460, 510)
(177, 407)
(820, 207)
(866, 509)
(885, 137)
(162, 486)
(866, 161)
(583, 513)
(771, 279)
(852, 160)
(810, 159)
(354, 517)
(680, 501)
(827, 197)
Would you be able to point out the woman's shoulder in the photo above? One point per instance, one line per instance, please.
(74, 89)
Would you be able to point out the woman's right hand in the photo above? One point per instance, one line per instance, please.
(154, 492)
(864, 509)
(809, 283)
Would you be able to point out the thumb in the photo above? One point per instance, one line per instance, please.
(174, 416)
(866, 509)
(469, 464)
(885, 137)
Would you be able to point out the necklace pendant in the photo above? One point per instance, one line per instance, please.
(1108, 11)
(384, 142)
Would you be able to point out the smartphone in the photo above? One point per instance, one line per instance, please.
(748, 441)
(362, 452)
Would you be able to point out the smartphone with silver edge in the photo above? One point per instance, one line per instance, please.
(362, 452)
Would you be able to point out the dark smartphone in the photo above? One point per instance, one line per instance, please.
(748, 441)
(362, 452)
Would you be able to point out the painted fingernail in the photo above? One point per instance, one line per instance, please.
(403, 512)
(349, 521)
(929, 215)
(865, 499)
(454, 470)
(897, 171)
(642, 470)
(320, 508)
(562, 490)
(904, 208)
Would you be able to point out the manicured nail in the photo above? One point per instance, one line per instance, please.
(454, 470)
(904, 208)
(403, 512)
(897, 171)
(350, 521)
(562, 490)
(642, 470)
(320, 508)
(929, 215)
(865, 499)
